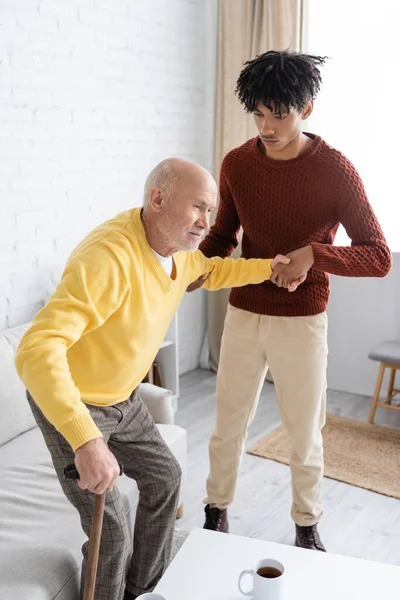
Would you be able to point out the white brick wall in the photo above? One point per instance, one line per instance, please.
(93, 94)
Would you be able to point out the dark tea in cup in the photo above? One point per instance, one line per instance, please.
(269, 572)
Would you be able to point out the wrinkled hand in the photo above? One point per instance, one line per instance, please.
(195, 285)
(294, 273)
(292, 287)
(280, 259)
(97, 467)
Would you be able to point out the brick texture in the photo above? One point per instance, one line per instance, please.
(93, 95)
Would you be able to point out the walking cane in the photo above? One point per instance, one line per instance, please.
(70, 472)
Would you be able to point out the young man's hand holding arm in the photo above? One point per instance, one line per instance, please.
(294, 273)
(368, 255)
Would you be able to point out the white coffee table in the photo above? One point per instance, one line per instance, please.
(208, 565)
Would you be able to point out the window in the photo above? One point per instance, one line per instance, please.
(358, 109)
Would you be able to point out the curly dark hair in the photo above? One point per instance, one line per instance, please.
(280, 79)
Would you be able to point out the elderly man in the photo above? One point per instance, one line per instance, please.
(90, 347)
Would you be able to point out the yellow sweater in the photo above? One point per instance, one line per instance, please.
(98, 334)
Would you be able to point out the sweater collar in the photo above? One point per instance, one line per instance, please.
(299, 160)
(155, 264)
(138, 226)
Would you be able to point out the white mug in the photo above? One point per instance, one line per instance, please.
(150, 596)
(264, 587)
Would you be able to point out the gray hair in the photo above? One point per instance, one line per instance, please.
(162, 176)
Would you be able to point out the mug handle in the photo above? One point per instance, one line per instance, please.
(242, 574)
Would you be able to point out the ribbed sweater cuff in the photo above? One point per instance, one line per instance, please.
(322, 257)
(80, 430)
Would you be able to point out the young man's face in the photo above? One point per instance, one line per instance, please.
(276, 130)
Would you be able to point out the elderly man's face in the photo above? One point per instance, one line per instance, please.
(187, 215)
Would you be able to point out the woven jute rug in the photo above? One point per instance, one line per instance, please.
(364, 455)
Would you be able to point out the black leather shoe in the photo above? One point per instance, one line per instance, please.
(308, 537)
(216, 519)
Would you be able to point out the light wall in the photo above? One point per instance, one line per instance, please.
(362, 313)
(93, 95)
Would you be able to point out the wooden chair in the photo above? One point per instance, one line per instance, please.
(388, 354)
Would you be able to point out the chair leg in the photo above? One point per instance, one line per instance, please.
(179, 512)
(375, 399)
(391, 386)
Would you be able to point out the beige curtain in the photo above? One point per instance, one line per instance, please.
(245, 28)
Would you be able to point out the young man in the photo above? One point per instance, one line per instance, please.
(90, 347)
(289, 191)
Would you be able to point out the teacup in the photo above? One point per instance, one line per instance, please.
(268, 580)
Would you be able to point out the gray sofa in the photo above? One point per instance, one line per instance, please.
(40, 534)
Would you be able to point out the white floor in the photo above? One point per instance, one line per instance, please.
(356, 522)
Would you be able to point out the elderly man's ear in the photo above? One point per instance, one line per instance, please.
(157, 198)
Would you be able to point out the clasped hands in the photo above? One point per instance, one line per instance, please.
(291, 270)
(287, 271)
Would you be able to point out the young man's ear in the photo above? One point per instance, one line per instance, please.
(308, 110)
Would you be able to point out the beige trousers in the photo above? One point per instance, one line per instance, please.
(295, 349)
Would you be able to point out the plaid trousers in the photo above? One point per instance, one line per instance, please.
(130, 432)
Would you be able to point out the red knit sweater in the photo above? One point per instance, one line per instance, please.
(285, 205)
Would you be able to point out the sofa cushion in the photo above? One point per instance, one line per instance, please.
(41, 536)
(159, 401)
(15, 414)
